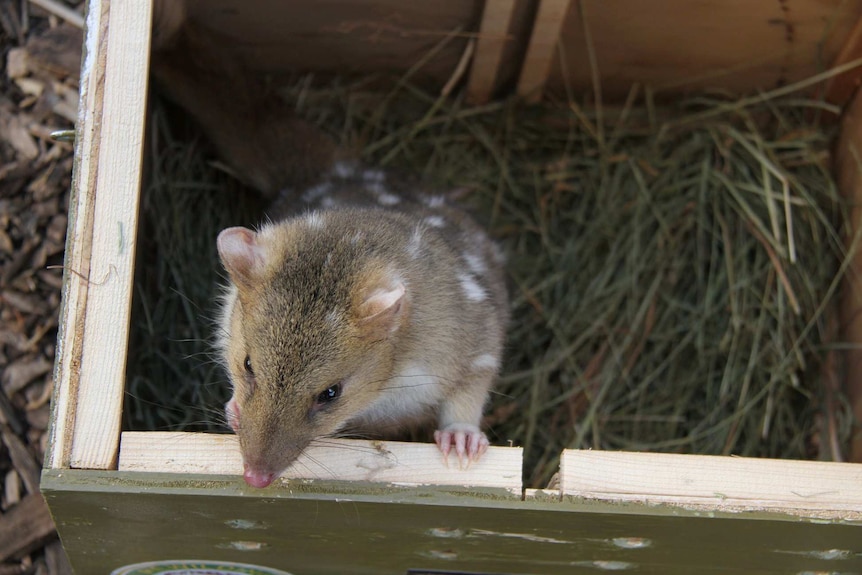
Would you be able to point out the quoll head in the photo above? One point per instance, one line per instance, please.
(310, 320)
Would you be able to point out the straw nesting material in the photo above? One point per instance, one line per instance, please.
(671, 280)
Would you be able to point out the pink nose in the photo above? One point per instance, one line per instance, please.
(257, 478)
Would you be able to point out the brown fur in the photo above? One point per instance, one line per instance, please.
(396, 295)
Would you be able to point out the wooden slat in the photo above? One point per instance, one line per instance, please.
(804, 488)
(491, 45)
(848, 171)
(343, 459)
(115, 217)
(79, 236)
(542, 50)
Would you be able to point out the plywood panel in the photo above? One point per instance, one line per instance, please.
(347, 36)
(110, 519)
(739, 46)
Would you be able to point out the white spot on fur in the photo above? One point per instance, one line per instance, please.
(314, 220)
(344, 170)
(387, 199)
(497, 253)
(376, 188)
(434, 201)
(435, 221)
(475, 263)
(486, 361)
(313, 194)
(332, 318)
(414, 246)
(357, 237)
(377, 176)
(472, 289)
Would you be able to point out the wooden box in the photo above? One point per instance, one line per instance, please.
(382, 507)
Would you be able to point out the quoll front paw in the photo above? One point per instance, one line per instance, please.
(469, 442)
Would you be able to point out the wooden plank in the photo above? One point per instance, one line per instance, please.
(79, 236)
(342, 459)
(840, 89)
(115, 215)
(493, 38)
(802, 488)
(737, 46)
(848, 171)
(359, 37)
(108, 519)
(25, 527)
(542, 50)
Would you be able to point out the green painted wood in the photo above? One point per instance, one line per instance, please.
(109, 519)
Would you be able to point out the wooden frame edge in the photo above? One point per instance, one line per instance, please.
(78, 237)
(87, 408)
(804, 489)
(848, 173)
(840, 89)
(391, 462)
(115, 214)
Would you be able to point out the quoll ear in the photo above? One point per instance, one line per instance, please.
(241, 254)
(380, 312)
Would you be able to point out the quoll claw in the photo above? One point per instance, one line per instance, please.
(468, 440)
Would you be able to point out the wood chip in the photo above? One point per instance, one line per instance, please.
(51, 277)
(57, 51)
(10, 21)
(12, 488)
(13, 129)
(26, 303)
(13, 338)
(24, 462)
(25, 527)
(8, 415)
(21, 372)
(16, 63)
(55, 557)
(56, 231)
(40, 415)
(20, 569)
(6, 245)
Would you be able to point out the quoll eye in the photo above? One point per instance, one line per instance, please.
(329, 394)
(247, 365)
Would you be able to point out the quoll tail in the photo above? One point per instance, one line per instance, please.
(254, 131)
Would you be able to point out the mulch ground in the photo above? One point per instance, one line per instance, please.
(38, 96)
